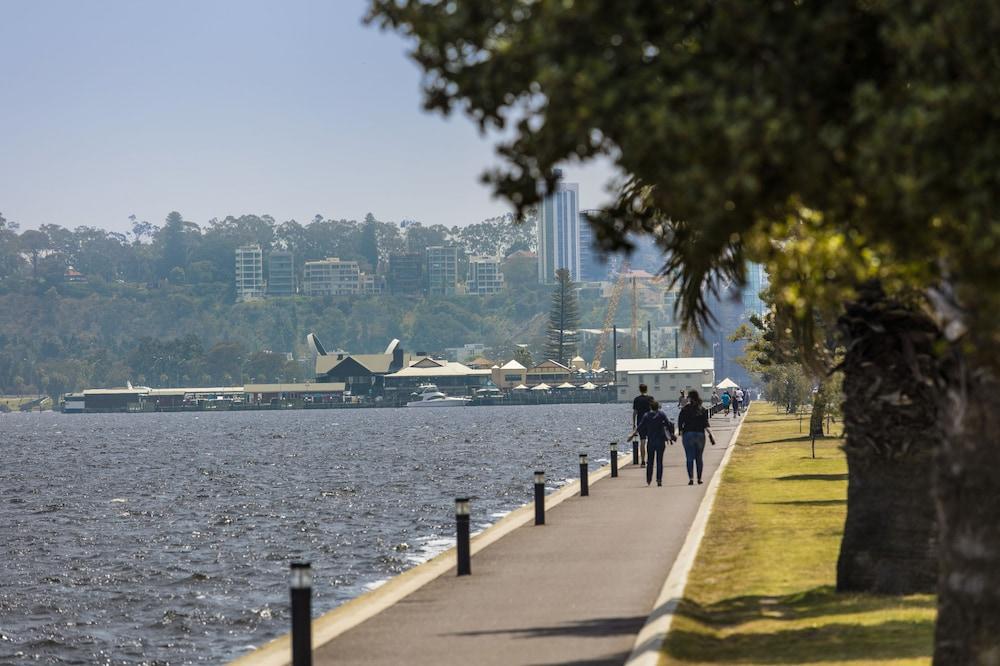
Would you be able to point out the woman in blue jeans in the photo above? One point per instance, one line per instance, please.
(692, 423)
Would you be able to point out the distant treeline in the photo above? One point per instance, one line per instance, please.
(182, 252)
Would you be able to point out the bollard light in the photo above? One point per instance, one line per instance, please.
(584, 486)
(583, 458)
(614, 459)
(635, 452)
(300, 582)
(540, 497)
(462, 512)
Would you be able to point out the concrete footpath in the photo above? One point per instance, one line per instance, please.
(576, 590)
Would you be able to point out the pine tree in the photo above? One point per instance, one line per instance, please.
(564, 317)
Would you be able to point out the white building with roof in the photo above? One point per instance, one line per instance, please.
(509, 375)
(455, 379)
(665, 377)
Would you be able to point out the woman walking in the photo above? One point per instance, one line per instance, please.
(657, 429)
(693, 424)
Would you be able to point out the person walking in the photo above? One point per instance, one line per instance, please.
(659, 430)
(692, 423)
(726, 401)
(739, 400)
(715, 402)
(681, 401)
(640, 406)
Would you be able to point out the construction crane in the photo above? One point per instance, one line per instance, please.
(635, 320)
(609, 317)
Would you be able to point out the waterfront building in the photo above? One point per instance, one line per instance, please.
(249, 273)
(548, 372)
(406, 273)
(280, 273)
(465, 352)
(665, 377)
(303, 392)
(559, 233)
(455, 379)
(485, 276)
(509, 375)
(331, 277)
(442, 270)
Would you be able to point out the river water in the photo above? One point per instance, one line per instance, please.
(166, 538)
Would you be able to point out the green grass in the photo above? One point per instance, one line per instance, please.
(762, 587)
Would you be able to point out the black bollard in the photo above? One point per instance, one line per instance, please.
(462, 518)
(301, 591)
(635, 452)
(539, 498)
(584, 487)
(614, 459)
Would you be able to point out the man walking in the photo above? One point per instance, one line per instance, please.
(738, 402)
(641, 405)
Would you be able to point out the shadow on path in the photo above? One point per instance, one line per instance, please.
(812, 477)
(596, 627)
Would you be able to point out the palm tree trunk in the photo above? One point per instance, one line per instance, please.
(890, 537)
(968, 621)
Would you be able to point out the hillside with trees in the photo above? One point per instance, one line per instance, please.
(157, 306)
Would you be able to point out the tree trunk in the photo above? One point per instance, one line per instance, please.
(820, 400)
(968, 621)
(890, 542)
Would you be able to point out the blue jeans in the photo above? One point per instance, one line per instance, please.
(694, 447)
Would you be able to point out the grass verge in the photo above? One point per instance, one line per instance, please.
(762, 588)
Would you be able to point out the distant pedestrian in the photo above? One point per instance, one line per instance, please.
(658, 430)
(640, 406)
(692, 423)
(726, 401)
(681, 401)
(740, 399)
(715, 402)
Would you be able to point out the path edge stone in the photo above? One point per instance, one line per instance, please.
(648, 647)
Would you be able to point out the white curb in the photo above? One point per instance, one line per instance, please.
(649, 643)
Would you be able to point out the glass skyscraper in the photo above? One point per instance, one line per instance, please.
(559, 233)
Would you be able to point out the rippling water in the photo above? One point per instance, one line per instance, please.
(166, 538)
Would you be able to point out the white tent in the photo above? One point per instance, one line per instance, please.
(565, 385)
(589, 386)
(727, 383)
(520, 387)
(541, 387)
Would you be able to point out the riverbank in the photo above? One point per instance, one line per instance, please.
(577, 590)
(762, 587)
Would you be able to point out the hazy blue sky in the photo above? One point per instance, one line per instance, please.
(219, 107)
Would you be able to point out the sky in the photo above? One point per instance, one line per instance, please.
(225, 107)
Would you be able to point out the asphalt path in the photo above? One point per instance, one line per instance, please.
(576, 590)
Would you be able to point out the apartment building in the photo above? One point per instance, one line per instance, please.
(331, 277)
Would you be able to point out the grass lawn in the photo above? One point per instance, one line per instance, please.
(762, 588)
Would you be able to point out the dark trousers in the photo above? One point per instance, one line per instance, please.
(654, 451)
(694, 447)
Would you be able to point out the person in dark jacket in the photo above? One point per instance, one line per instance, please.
(693, 424)
(658, 430)
(640, 407)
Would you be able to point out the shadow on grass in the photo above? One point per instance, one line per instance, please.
(830, 502)
(830, 642)
(812, 477)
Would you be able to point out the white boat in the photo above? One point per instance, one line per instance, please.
(430, 396)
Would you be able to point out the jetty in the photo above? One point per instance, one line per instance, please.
(596, 584)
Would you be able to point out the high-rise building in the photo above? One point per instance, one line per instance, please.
(442, 270)
(249, 273)
(593, 267)
(559, 233)
(331, 277)
(485, 276)
(280, 273)
(406, 273)
(757, 282)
